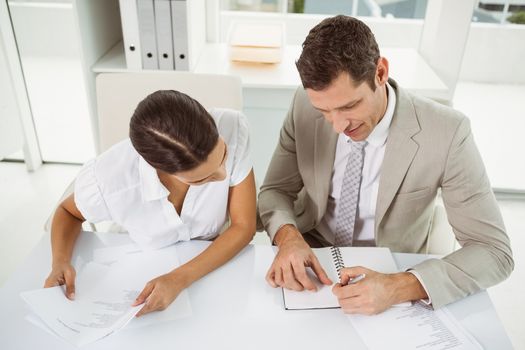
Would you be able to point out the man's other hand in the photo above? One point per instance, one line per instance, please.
(288, 269)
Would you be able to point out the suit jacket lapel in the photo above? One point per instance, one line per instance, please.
(324, 155)
(399, 153)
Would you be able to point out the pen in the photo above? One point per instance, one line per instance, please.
(356, 279)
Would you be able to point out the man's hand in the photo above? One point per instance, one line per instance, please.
(288, 269)
(377, 291)
(160, 292)
(62, 273)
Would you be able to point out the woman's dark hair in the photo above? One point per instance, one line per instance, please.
(172, 131)
(338, 44)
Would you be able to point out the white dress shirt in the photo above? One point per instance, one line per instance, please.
(120, 186)
(364, 229)
(374, 153)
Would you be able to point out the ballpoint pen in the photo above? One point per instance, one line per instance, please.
(357, 278)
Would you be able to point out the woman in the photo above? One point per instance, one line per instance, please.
(182, 173)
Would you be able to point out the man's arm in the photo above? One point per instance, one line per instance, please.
(276, 209)
(282, 182)
(485, 257)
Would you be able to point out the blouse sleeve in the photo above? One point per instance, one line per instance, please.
(88, 197)
(242, 163)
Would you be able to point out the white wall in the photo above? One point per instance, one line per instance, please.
(388, 32)
(49, 48)
(11, 136)
(17, 123)
(494, 53)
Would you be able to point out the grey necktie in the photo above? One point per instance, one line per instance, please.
(344, 232)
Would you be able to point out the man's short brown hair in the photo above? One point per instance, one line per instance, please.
(336, 45)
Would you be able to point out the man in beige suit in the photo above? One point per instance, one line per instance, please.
(350, 116)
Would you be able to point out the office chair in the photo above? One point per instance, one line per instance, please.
(441, 239)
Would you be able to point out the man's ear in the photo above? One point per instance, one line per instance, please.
(382, 71)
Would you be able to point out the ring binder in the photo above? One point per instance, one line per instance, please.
(338, 260)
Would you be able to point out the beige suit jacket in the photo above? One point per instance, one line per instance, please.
(429, 147)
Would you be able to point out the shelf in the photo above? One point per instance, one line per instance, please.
(283, 75)
(113, 61)
(407, 67)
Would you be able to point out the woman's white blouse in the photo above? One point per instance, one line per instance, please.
(120, 186)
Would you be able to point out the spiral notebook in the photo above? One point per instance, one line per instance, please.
(333, 259)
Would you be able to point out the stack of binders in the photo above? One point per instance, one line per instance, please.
(163, 34)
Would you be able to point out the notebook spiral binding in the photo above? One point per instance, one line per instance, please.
(338, 260)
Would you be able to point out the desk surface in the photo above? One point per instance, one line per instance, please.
(233, 308)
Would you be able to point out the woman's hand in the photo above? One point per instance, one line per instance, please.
(160, 292)
(62, 273)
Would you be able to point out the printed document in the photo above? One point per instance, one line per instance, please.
(103, 298)
(413, 327)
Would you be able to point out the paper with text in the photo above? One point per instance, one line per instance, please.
(413, 327)
(103, 298)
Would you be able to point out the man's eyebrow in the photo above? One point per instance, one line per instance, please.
(349, 104)
(346, 105)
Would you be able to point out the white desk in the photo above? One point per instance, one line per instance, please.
(407, 67)
(233, 308)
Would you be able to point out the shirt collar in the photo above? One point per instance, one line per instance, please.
(151, 187)
(377, 137)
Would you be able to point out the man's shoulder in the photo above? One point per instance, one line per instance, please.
(302, 107)
(432, 116)
(431, 110)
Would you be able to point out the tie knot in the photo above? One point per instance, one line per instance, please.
(358, 146)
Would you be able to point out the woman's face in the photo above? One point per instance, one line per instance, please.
(212, 169)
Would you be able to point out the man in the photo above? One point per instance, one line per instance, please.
(359, 162)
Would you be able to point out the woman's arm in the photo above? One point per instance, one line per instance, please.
(65, 228)
(161, 291)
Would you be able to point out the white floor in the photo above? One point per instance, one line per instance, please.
(26, 202)
(28, 198)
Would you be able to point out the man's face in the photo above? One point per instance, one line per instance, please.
(352, 110)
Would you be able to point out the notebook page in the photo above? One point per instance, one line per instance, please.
(373, 258)
(379, 259)
(323, 297)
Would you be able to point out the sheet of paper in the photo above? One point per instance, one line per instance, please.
(413, 327)
(103, 298)
(86, 319)
(378, 259)
(112, 254)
